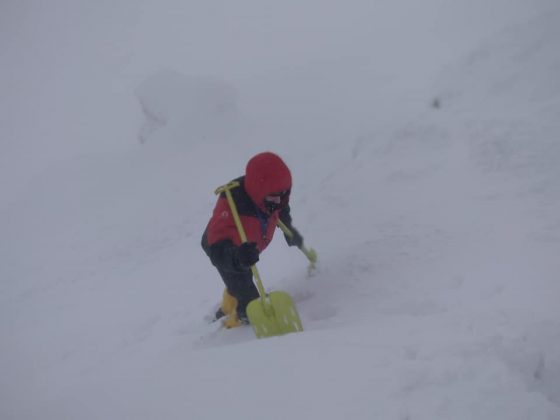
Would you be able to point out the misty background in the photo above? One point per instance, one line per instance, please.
(423, 142)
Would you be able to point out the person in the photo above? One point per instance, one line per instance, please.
(262, 198)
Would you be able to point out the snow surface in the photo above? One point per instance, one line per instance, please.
(423, 138)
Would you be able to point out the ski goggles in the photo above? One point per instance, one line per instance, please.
(277, 200)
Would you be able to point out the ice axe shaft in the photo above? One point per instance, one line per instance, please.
(309, 252)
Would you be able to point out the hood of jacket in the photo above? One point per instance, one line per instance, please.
(266, 173)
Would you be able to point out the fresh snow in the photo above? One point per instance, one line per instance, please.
(425, 156)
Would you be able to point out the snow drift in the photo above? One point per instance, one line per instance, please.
(186, 106)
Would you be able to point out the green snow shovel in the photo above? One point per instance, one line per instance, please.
(272, 313)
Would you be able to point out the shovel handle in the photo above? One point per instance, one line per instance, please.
(309, 252)
(227, 190)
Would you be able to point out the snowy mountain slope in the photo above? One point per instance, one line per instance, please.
(436, 229)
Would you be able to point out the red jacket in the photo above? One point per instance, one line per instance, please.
(265, 174)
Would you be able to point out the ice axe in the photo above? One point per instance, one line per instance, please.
(272, 313)
(309, 252)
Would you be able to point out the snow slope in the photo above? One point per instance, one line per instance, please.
(437, 228)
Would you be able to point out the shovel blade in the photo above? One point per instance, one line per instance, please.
(275, 315)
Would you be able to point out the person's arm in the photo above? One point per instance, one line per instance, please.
(296, 239)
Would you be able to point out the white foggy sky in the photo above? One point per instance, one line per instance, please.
(69, 68)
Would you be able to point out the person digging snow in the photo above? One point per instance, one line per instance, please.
(262, 198)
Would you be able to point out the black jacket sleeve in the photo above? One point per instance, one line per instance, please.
(286, 218)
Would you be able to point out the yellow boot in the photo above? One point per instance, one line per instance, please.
(229, 307)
